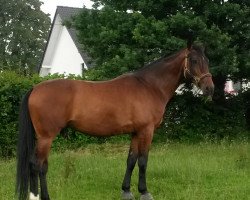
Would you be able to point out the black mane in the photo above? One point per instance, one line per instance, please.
(165, 58)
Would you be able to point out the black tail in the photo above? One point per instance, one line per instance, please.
(25, 149)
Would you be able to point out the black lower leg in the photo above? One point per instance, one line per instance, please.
(142, 163)
(132, 158)
(43, 181)
(34, 170)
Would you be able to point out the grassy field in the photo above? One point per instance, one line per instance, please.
(175, 171)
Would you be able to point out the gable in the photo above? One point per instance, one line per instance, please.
(63, 53)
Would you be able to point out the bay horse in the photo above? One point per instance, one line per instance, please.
(131, 103)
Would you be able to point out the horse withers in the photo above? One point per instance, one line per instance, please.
(131, 103)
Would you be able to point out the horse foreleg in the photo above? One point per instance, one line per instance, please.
(131, 161)
(145, 139)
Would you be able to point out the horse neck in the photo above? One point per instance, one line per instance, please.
(164, 76)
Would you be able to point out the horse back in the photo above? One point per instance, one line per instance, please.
(99, 108)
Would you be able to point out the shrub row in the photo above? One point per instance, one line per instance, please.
(12, 88)
(187, 118)
(190, 118)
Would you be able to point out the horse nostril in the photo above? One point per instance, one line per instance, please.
(208, 90)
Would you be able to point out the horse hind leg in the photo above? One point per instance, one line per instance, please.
(43, 181)
(40, 168)
(34, 171)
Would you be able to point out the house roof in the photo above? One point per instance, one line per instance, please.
(66, 14)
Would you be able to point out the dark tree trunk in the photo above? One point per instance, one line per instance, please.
(219, 93)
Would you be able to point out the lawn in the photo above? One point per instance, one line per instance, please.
(175, 171)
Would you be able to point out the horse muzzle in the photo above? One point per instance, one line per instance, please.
(208, 91)
(207, 87)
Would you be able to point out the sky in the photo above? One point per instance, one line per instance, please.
(49, 6)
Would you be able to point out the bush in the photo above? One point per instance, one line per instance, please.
(190, 118)
(12, 88)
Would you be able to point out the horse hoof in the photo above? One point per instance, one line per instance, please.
(127, 196)
(146, 196)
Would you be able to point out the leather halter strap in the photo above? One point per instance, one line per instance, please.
(197, 79)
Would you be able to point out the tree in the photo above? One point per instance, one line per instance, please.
(124, 35)
(24, 29)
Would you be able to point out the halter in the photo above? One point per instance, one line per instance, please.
(197, 79)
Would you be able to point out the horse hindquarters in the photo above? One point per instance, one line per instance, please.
(32, 155)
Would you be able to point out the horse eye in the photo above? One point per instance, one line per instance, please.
(194, 61)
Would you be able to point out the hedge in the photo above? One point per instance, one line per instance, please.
(12, 88)
(187, 118)
(190, 118)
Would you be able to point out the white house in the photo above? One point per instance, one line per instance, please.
(63, 53)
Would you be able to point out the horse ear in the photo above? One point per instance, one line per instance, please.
(189, 44)
(190, 38)
(204, 49)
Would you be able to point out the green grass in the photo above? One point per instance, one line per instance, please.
(175, 171)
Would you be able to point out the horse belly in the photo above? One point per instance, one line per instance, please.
(103, 121)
